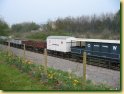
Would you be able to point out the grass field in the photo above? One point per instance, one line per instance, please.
(12, 79)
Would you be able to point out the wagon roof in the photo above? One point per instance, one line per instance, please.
(98, 40)
(59, 37)
(3, 37)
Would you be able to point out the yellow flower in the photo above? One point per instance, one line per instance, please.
(29, 62)
(24, 61)
(75, 82)
(50, 76)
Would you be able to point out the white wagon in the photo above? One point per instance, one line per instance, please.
(60, 43)
(15, 41)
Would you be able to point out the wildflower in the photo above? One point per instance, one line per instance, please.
(50, 76)
(29, 62)
(75, 82)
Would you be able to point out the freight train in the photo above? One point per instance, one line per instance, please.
(105, 53)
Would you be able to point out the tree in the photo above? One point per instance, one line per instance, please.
(25, 27)
(4, 28)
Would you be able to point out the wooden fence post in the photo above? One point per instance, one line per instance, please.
(45, 60)
(24, 51)
(84, 70)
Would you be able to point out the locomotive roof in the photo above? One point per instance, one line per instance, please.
(98, 40)
(59, 37)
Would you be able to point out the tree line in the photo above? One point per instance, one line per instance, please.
(25, 27)
(109, 22)
(106, 22)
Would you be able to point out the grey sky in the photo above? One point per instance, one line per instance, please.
(40, 11)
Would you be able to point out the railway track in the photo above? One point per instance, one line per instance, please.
(95, 61)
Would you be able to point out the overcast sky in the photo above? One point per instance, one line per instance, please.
(40, 11)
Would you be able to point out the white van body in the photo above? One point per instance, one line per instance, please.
(60, 43)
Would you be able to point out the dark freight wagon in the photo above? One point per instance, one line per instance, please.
(105, 50)
(97, 48)
(35, 45)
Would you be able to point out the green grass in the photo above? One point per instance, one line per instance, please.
(17, 74)
(12, 79)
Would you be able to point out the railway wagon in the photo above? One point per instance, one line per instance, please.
(99, 52)
(37, 46)
(98, 47)
(104, 48)
(15, 43)
(77, 51)
(60, 45)
(3, 39)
